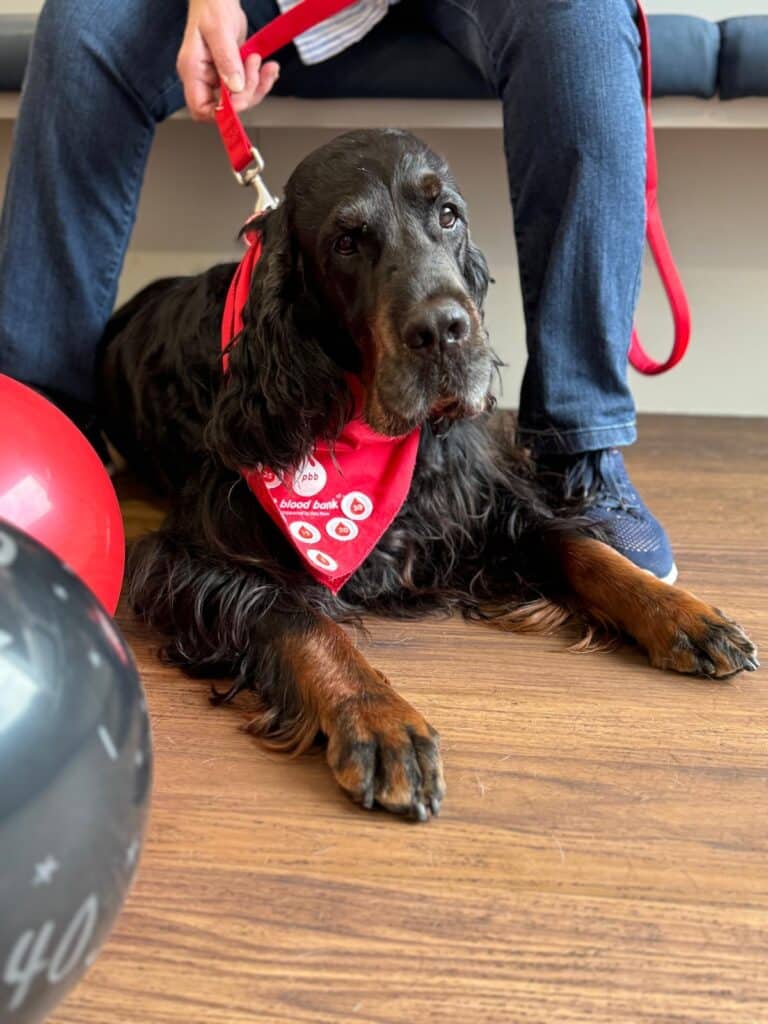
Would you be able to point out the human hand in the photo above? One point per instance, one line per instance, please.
(210, 55)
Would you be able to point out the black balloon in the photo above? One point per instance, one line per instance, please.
(75, 777)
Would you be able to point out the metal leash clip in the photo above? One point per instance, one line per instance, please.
(251, 177)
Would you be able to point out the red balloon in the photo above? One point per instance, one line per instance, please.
(54, 487)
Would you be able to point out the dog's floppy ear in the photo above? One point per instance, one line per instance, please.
(476, 273)
(282, 391)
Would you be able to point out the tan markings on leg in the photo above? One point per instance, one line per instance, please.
(678, 630)
(380, 749)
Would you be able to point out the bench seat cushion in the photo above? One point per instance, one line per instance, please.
(685, 53)
(744, 57)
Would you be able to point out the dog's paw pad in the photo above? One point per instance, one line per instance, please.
(386, 754)
(708, 644)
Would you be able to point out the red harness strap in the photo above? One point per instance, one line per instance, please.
(237, 296)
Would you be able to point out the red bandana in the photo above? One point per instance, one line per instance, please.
(336, 507)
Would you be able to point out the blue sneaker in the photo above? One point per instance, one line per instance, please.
(598, 482)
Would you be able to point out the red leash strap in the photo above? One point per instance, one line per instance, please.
(237, 297)
(275, 35)
(305, 15)
(657, 239)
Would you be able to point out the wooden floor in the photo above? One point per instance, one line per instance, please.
(602, 855)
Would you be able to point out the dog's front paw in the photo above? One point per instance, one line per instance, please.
(381, 750)
(698, 639)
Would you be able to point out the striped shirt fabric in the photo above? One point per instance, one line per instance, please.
(337, 33)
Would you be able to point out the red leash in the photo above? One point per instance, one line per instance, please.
(657, 239)
(284, 29)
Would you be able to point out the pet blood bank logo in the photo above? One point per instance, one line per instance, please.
(310, 478)
(305, 532)
(335, 505)
(341, 529)
(356, 505)
(322, 561)
(270, 479)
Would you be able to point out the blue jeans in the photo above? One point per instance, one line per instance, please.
(102, 75)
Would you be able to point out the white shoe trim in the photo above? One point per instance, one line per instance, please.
(671, 575)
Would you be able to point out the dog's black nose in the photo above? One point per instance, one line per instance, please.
(438, 323)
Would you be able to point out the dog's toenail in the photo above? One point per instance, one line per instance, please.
(420, 812)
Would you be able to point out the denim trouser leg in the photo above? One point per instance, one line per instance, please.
(567, 72)
(101, 75)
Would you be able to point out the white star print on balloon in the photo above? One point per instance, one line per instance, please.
(45, 870)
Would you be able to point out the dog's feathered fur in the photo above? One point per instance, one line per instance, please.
(475, 533)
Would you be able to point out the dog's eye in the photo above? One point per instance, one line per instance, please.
(448, 216)
(345, 245)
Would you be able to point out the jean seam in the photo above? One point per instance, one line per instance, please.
(157, 115)
(575, 442)
(113, 268)
(129, 202)
(578, 430)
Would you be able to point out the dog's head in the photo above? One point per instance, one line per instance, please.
(368, 268)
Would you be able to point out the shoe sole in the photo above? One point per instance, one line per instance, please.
(669, 578)
(671, 575)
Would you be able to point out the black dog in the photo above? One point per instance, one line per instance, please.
(368, 270)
